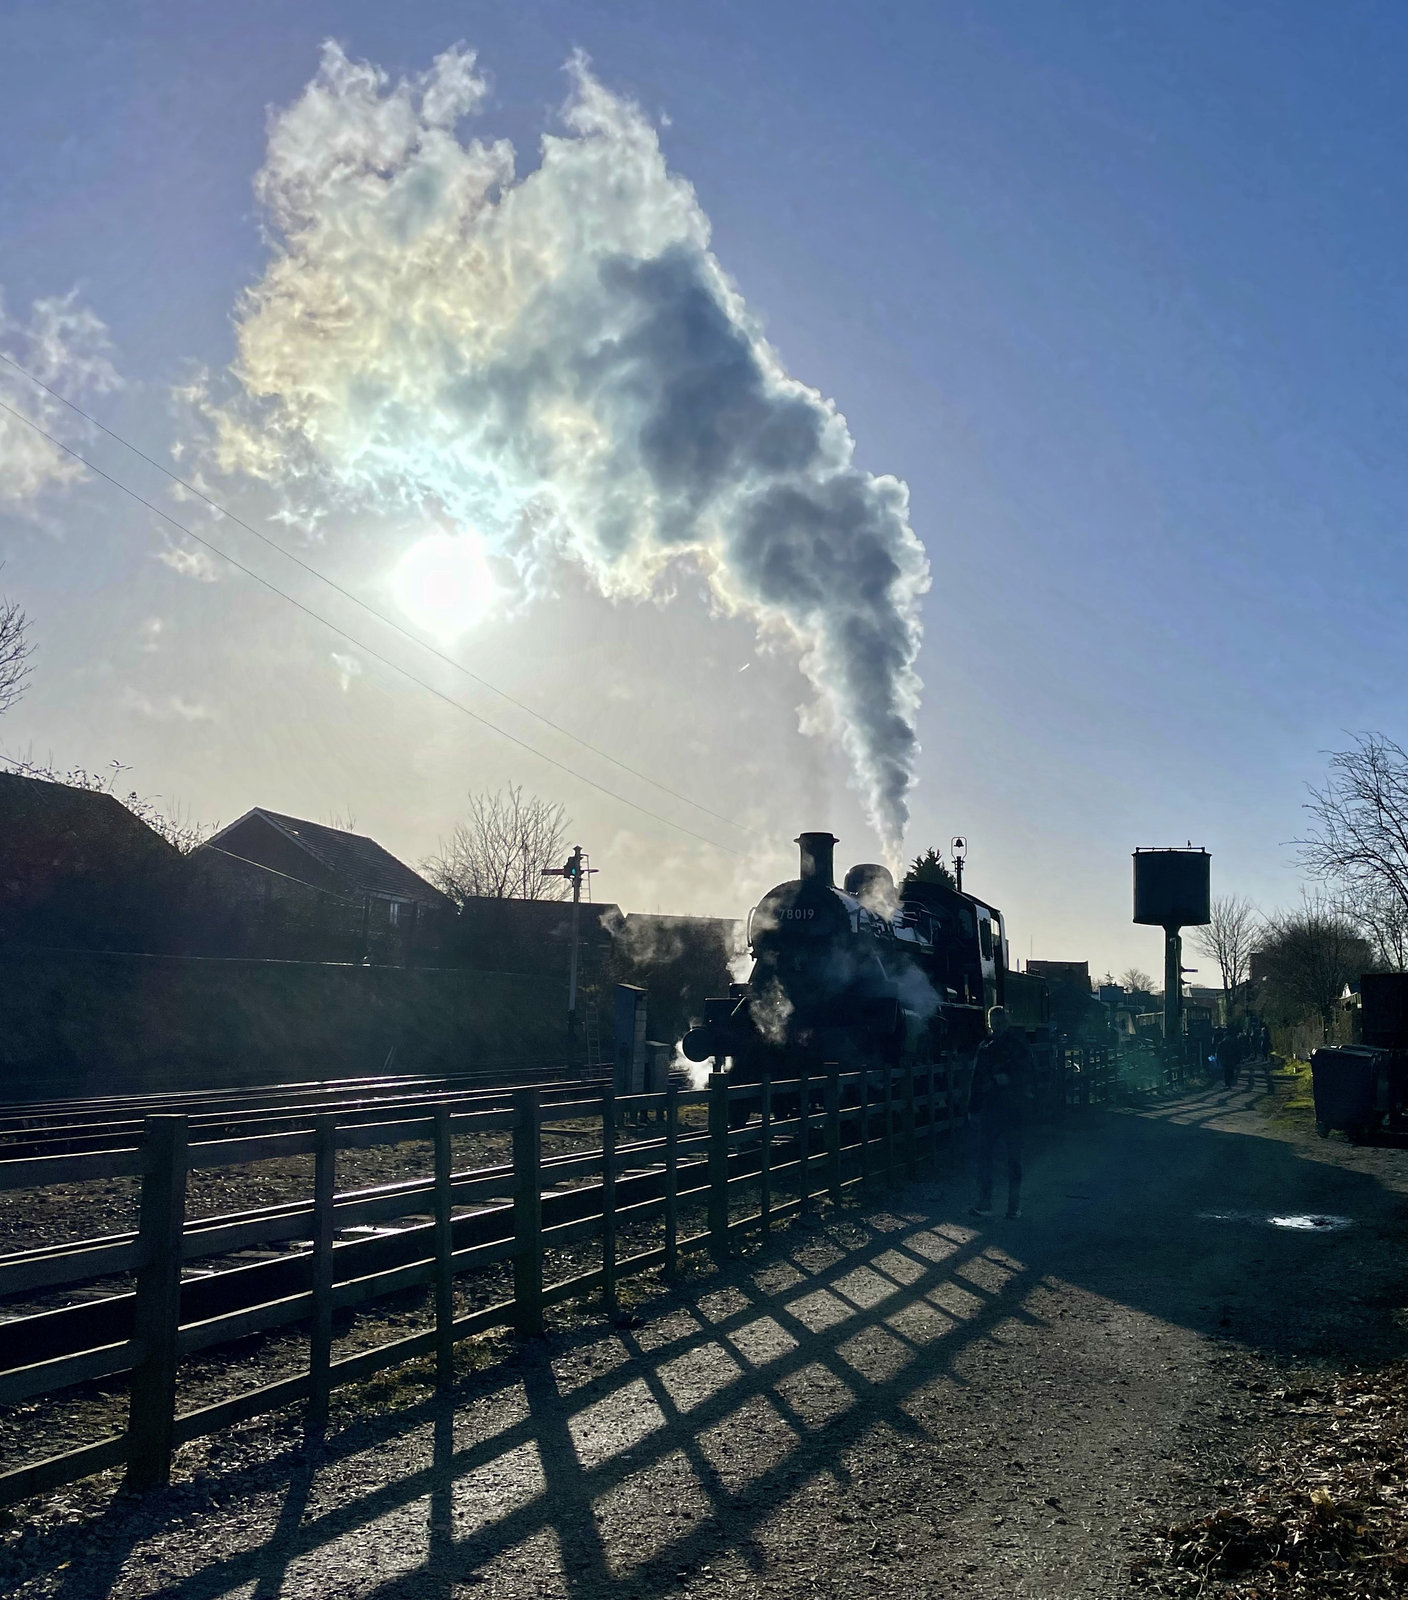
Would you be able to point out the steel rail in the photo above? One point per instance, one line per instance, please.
(117, 1133)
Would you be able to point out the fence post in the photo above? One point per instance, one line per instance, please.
(151, 1415)
(765, 1118)
(672, 1178)
(320, 1344)
(527, 1213)
(608, 1198)
(865, 1128)
(911, 1143)
(444, 1251)
(933, 1118)
(889, 1124)
(804, 1136)
(833, 1130)
(718, 1165)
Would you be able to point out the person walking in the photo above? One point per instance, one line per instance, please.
(1003, 1077)
(1259, 1054)
(1228, 1054)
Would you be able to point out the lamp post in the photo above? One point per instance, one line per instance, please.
(959, 847)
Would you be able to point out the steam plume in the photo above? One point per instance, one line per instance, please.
(560, 364)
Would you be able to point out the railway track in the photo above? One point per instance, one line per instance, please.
(114, 1122)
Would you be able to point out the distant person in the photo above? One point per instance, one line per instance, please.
(1003, 1079)
(1228, 1053)
(1259, 1053)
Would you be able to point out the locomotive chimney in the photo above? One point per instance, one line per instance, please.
(818, 852)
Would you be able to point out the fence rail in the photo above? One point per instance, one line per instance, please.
(744, 1156)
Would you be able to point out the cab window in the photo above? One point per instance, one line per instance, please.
(985, 937)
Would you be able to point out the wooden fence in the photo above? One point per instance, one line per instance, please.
(735, 1158)
(1087, 1075)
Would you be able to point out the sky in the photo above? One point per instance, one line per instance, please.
(1116, 292)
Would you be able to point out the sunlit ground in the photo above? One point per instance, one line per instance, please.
(619, 1461)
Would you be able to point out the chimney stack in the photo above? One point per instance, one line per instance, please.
(818, 851)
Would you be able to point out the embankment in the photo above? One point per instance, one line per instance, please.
(101, 1023)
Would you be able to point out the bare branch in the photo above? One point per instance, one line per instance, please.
(1383, 918)
(1360, 837)
(501, 848)
(1228, 939)
(15, 651)
(173, 822)
(1308, 956)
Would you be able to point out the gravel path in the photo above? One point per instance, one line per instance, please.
(889, 1402)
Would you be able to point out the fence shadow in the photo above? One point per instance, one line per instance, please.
(616, 1459)
(802, 1353)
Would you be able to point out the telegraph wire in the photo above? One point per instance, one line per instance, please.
(351, 639)
(356, 600)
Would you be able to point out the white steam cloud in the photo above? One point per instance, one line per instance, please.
(66, 346)
(561, 365)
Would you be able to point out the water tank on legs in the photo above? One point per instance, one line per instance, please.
(1172, 888)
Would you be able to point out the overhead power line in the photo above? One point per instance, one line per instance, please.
(356, 599)
(366, 649)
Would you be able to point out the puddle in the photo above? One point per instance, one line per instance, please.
(1300, 1222)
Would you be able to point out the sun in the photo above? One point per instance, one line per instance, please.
(443, 584)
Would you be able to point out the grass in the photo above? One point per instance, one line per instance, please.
(1295, 1101)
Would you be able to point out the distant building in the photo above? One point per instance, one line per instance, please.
(1077, 972)
(281, 885)
(78, 868)
(494, 932)
(1075, 1012)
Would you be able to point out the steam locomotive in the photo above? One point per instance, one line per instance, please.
(860, 977)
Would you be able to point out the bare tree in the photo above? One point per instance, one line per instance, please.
(501, 848)
(15, 650)
(1133, 978)
(1308, 957)
(1360, 836)
(1383, 917)
(1228, 940)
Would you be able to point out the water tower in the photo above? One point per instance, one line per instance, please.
(1172, 891)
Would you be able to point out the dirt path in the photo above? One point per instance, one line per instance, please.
(891, 1403)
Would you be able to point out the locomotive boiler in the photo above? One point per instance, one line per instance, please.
(856, 975)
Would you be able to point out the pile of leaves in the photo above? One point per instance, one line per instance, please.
(1325, 1515)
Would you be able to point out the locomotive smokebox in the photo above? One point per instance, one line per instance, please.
(1172, 888)
(818, 857)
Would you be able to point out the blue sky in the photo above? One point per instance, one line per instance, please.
(1116, 290)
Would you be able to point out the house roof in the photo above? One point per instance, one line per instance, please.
(358, 861)
(70, 820)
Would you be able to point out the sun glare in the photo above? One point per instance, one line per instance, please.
(443, 584)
